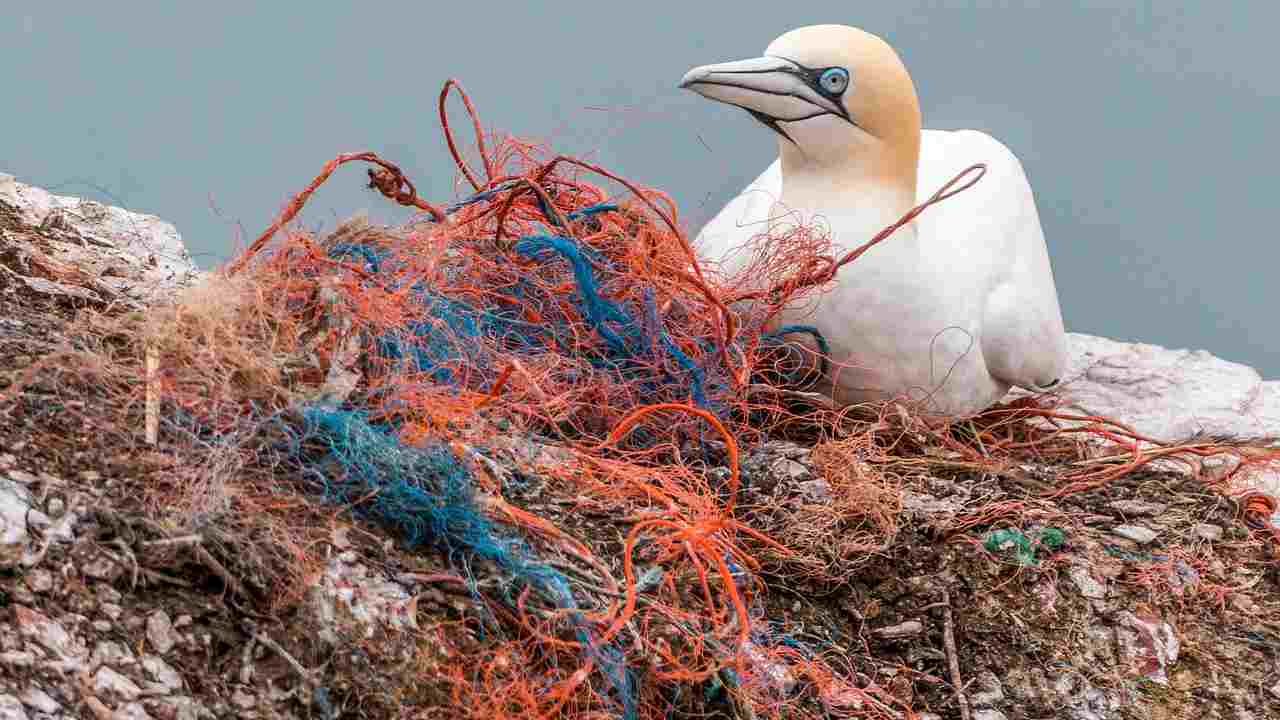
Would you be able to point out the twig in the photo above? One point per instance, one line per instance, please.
(982, 447)
(136, 569)
(153, 395)
(818, 399)
(588, 582)
(133, 561)
(161, 577)
(183, 540)
(246, 661)
(431, 579)
(303, 674)
(317, 695)
(953, 659)
(212, 563)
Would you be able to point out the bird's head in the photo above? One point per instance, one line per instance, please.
(834, 94)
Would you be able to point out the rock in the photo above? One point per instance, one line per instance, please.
(928, 504)
(1046, 591)
(102, 567)
(814, 491)
(39, 580)
(1183, 577)
(1207, 532)
(110, 652)
(842, 699)
(1149, 647)
(990, 691)
(38, 521)
(46, 633)
(348, 591)
(1078, 699)
(243, 700)
(1085, 582)
(11, 708)
(1136, 533)
(15, 502)
(776, 463)
(9, 638)
(1136, 508)
(180, 707)
(112, 684)
(160, 632)
(1243, 603)
(62, 530)
(56, 506)
(775, 673)
(789, 471)
(40, 701)
(23, 477)
(122, 254)
(17, 659)
(1170, 395)
(49, 287)
(22, 595)
(910, 628)
(782, 448)
(163, 674)
(132, 711)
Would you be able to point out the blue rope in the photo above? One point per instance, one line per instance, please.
(824, 348)
(598, 310)
(372, 257)
(426, 496)
(604, 315)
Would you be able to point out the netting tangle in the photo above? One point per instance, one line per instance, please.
(393, 362)
(426, 496)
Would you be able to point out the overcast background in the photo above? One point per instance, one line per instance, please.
(1148, 129)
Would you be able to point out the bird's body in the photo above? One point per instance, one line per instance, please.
(954, 308)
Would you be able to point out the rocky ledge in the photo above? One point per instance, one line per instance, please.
(75, 248)
(1170, 395)
(1168, 614)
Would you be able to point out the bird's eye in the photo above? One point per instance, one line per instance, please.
(834, 80)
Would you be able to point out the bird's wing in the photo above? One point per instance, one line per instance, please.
(744, 216)
(1022, 337)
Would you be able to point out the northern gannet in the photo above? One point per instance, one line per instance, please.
(954, 308)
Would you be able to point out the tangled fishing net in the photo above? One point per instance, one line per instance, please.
(379, 370)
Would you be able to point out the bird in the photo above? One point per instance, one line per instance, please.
(955, 308)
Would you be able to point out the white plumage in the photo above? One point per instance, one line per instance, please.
(953, 309)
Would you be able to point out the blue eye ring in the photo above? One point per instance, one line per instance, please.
(834, 81)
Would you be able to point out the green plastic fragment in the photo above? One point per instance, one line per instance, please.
(1050, 538)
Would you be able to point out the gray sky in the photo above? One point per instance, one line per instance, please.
(1147, 128)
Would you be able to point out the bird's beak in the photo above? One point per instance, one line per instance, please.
(772, 89)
